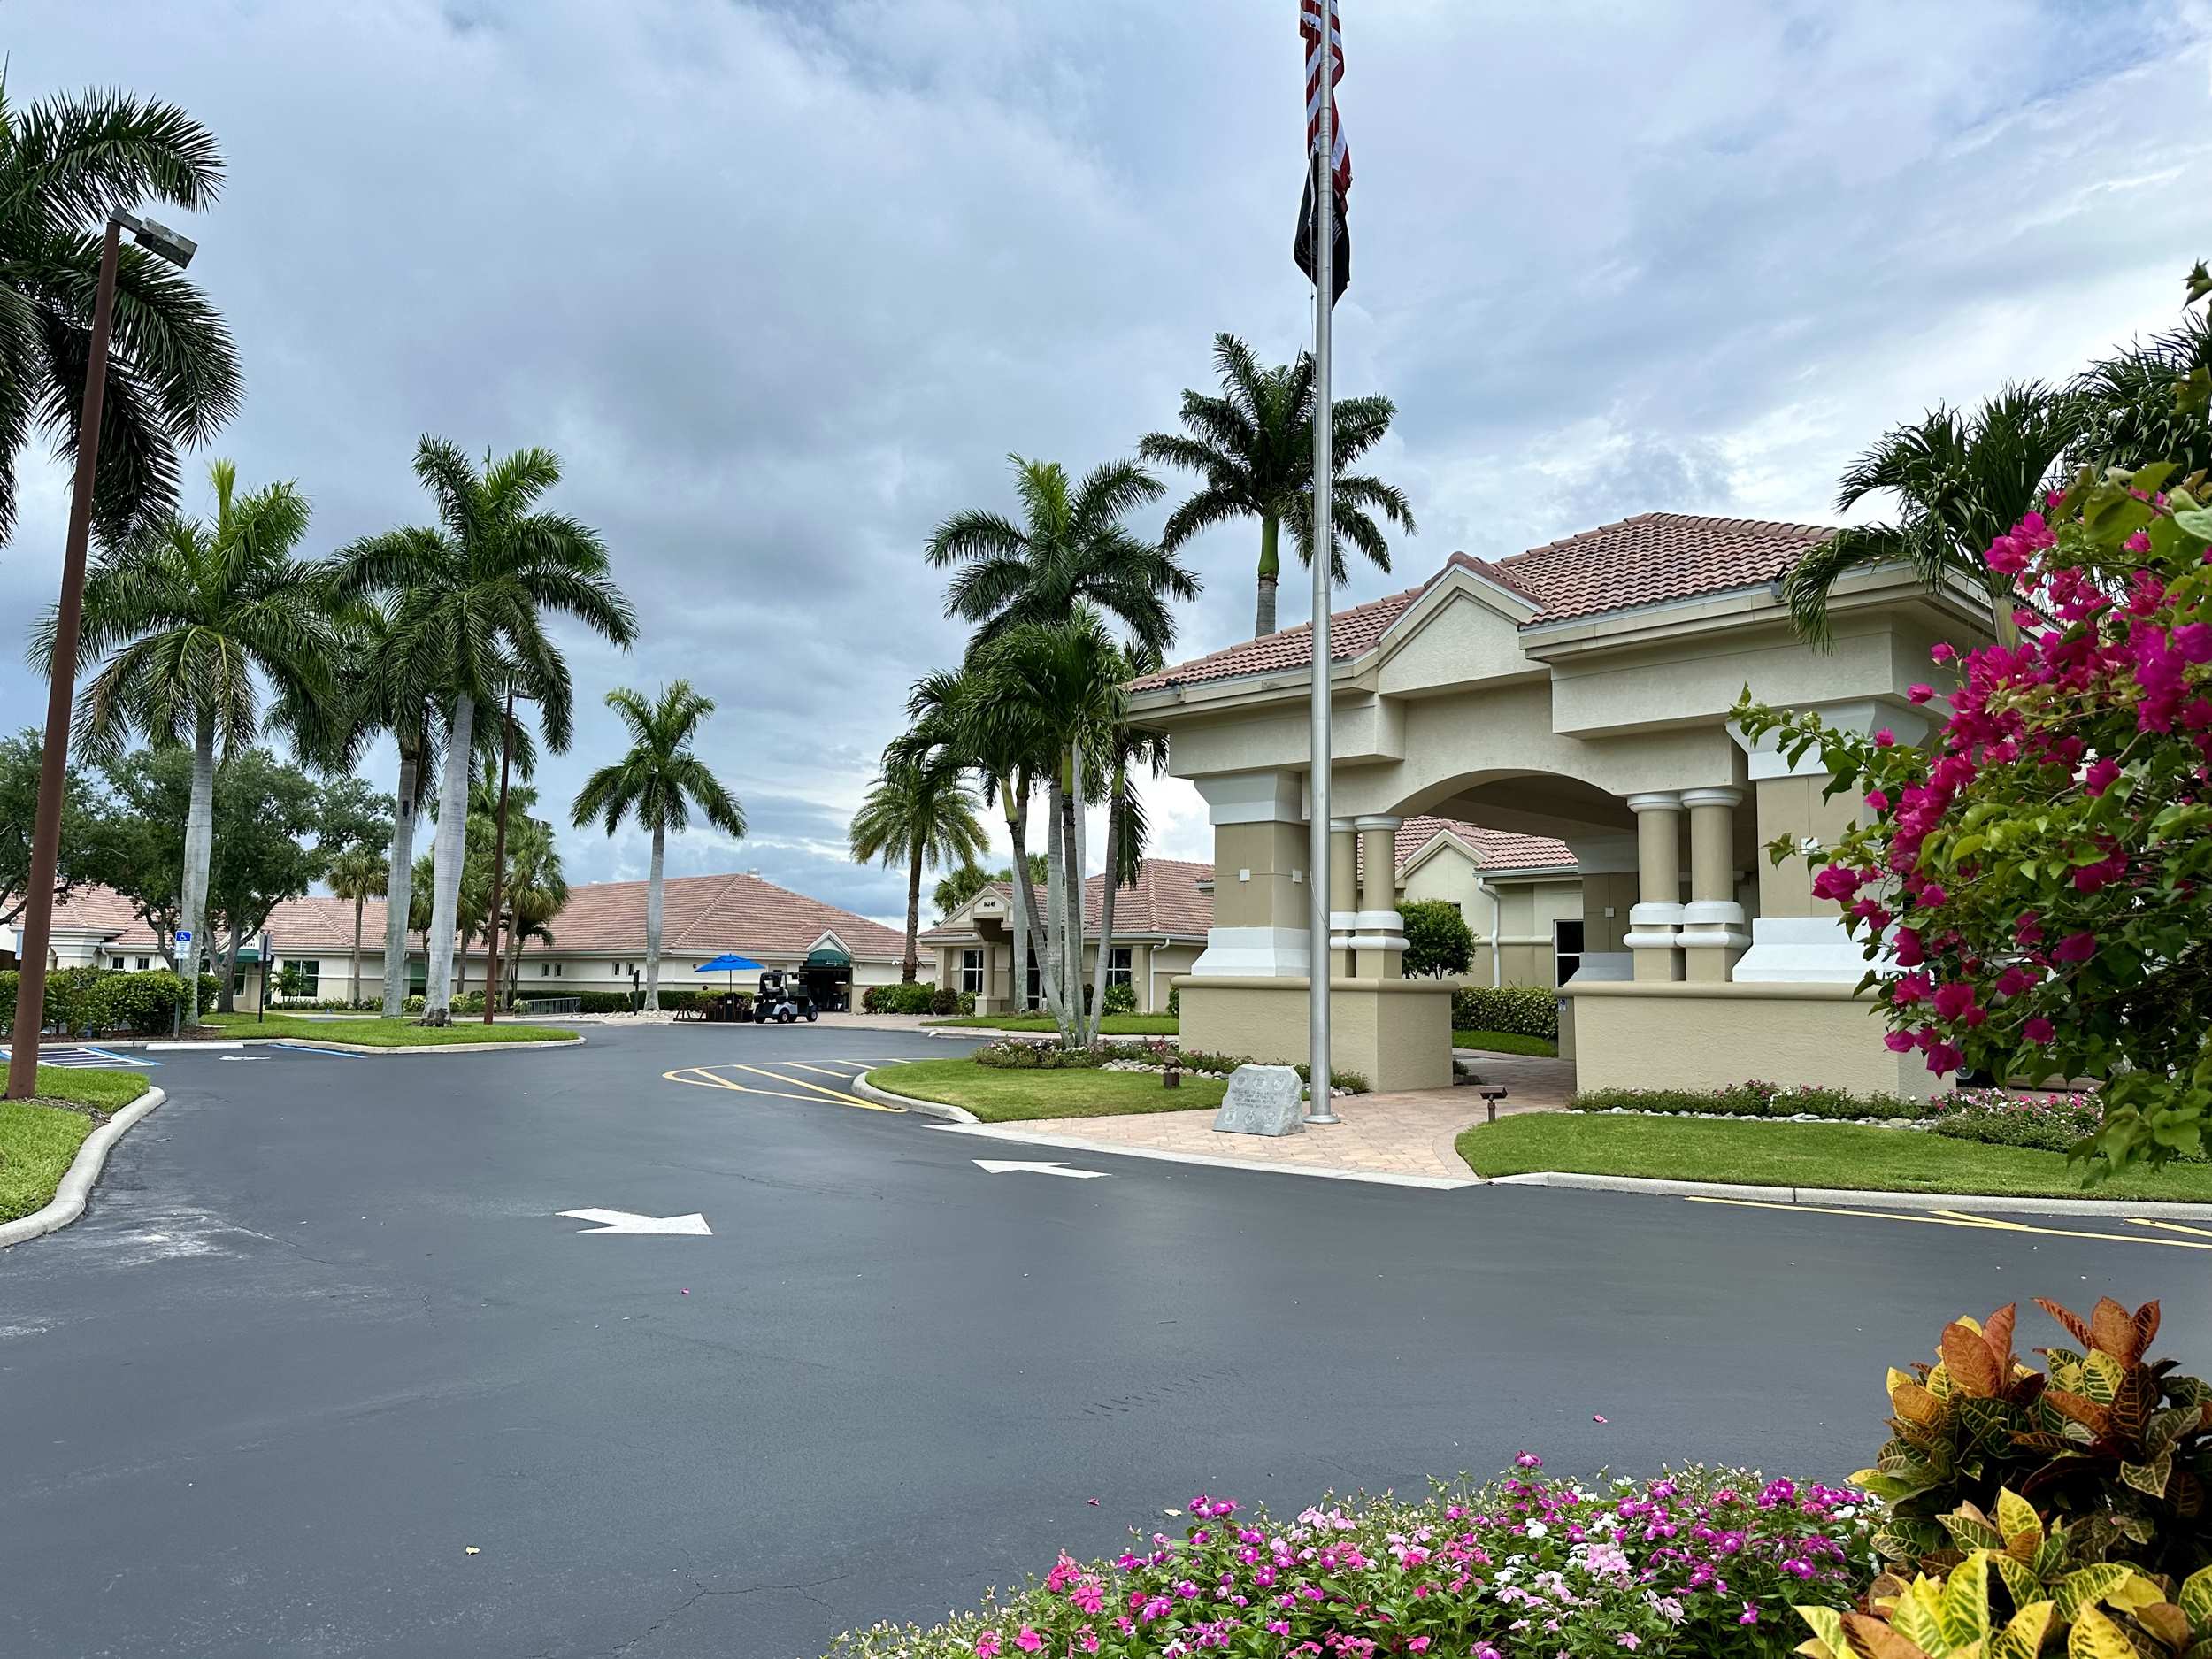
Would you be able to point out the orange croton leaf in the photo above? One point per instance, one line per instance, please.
(2075, 1325)
(1974, 1371)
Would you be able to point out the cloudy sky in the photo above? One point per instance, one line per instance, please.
(783, 281)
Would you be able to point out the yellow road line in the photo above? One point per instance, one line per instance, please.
(819, 1070)
(827, 1094)
(707, 1079)
(1954, 1218)
(2170, 1226)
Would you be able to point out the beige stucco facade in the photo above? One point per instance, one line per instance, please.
(973, 950)
(1703, 962)
(1513, 917)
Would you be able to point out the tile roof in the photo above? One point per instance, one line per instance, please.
(1652, 557)
(1164, 899)
(702, 915)
(1499, 850)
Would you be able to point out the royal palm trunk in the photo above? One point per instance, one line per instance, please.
(1106, 909)
(910, 968)
(1271, 572)
(448, 848)
(1026, 903)
(199, 850)
(655, 893)
(353, 991)
(398, 889)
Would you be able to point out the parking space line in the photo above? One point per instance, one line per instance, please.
(2170, 1226)
(843, 1077)
(699, 1076)
(1961, 1219)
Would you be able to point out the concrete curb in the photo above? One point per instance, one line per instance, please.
(76, 1182)
(435, 1048)
(1101, 1149)
(1815, 1195)
(882, 1096)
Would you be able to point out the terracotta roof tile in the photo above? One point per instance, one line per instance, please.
(1499, 850)
(1646, 560)
(701, 915)
(1164, 899)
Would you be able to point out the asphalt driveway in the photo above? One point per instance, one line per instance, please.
(323, 1330)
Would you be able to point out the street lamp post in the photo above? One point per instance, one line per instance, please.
(61, 695)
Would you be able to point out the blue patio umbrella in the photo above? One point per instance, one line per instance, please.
(729, 962)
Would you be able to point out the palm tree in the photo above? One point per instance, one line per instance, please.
(1961, 481)
(535, 891)
(470, 598)
(918, 811)
(360, 873)
(1127, 746)
(189, 617)
(2148, 402)
(1254, 447)
(66, 162)
(958, 884)
(658, 782)
(1071, 548)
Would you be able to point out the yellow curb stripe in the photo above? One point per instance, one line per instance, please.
(827, 1094)
(1952, 1219)
(2170, 1226)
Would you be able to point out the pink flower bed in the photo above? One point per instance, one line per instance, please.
(1703, 1562)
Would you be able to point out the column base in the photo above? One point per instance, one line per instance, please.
(1268, 953)
(1801, 949)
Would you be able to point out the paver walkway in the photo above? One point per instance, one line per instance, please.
(1406, 1134)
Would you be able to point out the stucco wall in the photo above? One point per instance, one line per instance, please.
(1396, 1033)
(1658, 1035)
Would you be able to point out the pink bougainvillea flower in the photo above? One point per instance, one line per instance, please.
(1907, 948)
(2103, 773)
(2038, 1030)
(1884, 739)
(1899, 1041)
(1942, 653)
(1952, 1001)
(1919, 694)
(2074, 948)
(1876, 800)
(1595, 1418)
(1943, 1057)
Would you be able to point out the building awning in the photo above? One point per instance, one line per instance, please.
(828, 957)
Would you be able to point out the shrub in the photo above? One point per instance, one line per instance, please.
(1754, 1099)
(2118, 1448)
(145, 1002)
(1438, 940)
(1121, 998)
(77, 999)
(2054, 1598)
(902, 998)
(598, 1001)
(1526, 1010)
(944, 1003)
(416, 1003)
(2037, 866)
(1703, 1562)
(1175, 1002)
(966, 1003)
(679, 1000)
(1014, 1053)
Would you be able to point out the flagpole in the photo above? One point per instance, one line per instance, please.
(1319, 1102)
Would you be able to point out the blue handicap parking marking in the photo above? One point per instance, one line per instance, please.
(70, 1056)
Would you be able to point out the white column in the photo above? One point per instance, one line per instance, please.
(1656, 919)
(1378, 936)
(1713, 933)
(1343, 895)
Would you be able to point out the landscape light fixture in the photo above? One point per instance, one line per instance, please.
(38, 907)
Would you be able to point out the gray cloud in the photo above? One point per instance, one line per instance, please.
(784, 282)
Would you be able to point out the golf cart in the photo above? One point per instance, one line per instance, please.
(782, 998)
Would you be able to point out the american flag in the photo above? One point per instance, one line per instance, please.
(1310, 16)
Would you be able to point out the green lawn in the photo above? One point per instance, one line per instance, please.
(384, 1033)
(1795, 1154)
(1112, 1025)
(37, 1141)
(998, 1096)
(1506, 1042)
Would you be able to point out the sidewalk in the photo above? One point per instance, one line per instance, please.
(1406, 1134)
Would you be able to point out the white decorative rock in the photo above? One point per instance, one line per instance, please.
(1263, 1100)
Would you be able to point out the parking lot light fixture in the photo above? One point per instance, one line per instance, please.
(61, 695)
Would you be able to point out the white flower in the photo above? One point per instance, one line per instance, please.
(1537, 1529)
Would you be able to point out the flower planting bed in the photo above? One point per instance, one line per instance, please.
(1934, 1554)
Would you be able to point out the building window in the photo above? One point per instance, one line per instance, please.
(545, 970)
(556, 970)
(971, 973)
(1566, 948)
(145, 962)
(314, 970)
(1117, 968)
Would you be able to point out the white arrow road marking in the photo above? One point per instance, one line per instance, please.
(622, 1221)
(244, 1059)
(1000, 1166)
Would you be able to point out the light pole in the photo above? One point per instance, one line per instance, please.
(38, 907)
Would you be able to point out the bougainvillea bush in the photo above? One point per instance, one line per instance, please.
(2033, 880)
(1704, 1561)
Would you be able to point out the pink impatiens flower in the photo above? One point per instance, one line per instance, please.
(986, 1645)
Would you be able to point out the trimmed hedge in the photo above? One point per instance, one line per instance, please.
(1021, 1054)
(1754, 1099)
(1524, 1010)
(107, 999)
(914, 999)
(1121, 998)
